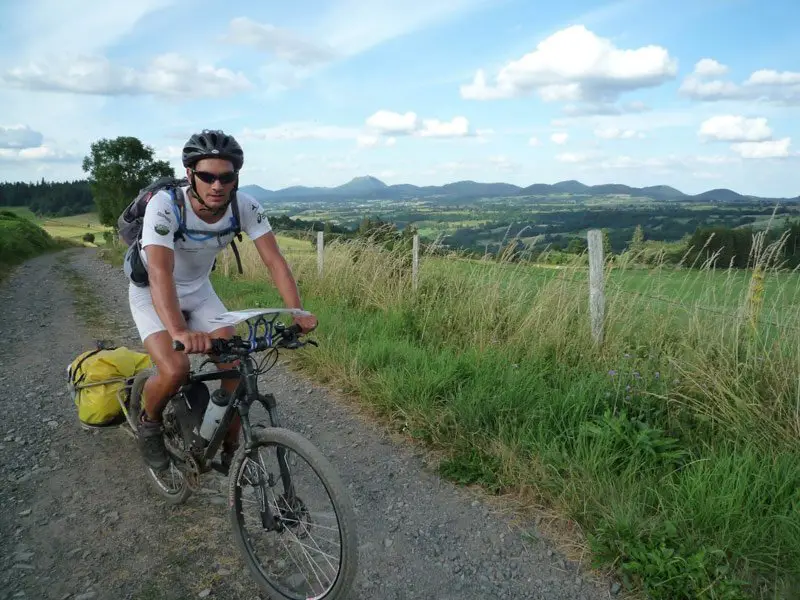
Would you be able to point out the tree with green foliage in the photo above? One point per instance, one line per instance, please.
(118, 169)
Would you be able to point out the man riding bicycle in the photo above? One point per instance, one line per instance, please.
(178, 274)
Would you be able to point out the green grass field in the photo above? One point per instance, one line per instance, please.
(669, 453)
(21, 239)
(71, 228)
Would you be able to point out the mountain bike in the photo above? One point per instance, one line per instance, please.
(282, 510)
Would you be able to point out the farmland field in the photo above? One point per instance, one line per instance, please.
(72, 228)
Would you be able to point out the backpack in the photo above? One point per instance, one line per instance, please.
(98, 380)
(130, 222)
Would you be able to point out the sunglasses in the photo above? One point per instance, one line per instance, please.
(224, 178)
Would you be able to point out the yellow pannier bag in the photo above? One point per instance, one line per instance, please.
(97, 376)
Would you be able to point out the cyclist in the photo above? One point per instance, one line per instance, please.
(179, 284)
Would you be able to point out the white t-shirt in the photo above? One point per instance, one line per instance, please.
(194, 255)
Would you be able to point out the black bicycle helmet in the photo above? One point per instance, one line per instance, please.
(213, 143)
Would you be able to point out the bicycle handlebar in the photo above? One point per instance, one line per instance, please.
(286, 338)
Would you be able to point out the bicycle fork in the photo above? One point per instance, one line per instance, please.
(264, 483)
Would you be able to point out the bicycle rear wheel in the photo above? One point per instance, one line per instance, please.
(269, 512)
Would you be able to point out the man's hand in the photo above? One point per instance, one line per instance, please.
(196, 342)
(306, 322)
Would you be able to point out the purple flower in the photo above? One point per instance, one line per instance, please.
(612, 372)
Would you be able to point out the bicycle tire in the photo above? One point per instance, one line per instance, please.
(182, 495)
(342, 504)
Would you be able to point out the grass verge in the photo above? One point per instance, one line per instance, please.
(20, 239)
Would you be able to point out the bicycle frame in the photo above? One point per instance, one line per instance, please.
(243, 397)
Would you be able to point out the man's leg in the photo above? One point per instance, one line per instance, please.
(172, 369)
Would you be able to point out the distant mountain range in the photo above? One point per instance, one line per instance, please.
(371, 188)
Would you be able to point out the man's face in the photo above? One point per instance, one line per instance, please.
(214, 180)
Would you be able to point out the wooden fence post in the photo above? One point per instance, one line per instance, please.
(415, 262)
(320, 248)
(597, 299)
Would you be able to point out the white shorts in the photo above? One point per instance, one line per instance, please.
(202, 305)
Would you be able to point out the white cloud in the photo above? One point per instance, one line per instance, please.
(766, 85)
(534, 141)
(386, 122)
(19, 137)
(766, 149)
(457, 127)
(40, 154)
(284, 44)
(559, 138)
(771, 77)
(708, 67)
(574, 64)
(615, 133)
(735, 128)
(167, 75)
(381, 129)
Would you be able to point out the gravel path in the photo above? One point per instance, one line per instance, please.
(79, 521)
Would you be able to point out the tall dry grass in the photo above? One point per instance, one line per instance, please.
(672, 445)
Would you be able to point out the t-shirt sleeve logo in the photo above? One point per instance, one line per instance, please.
(161, 229)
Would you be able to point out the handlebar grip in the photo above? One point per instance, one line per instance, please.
(178, 346)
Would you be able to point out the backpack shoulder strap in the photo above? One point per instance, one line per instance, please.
(237, 225)
(179, 205)
(237, 229)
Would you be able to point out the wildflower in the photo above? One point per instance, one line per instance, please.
(612, 373)
(636, 375)
(657, 375)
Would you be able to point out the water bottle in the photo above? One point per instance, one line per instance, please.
(214, 411)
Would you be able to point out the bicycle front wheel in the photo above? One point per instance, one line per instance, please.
(298, 537)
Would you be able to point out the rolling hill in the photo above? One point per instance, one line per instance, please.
(372, 188)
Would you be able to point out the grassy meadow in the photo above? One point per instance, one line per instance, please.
(669, 453)
(71, 228)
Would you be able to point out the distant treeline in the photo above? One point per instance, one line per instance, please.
(49, 198)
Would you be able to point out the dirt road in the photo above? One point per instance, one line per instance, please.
(79, 521)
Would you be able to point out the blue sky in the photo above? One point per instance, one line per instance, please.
(696, 94)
